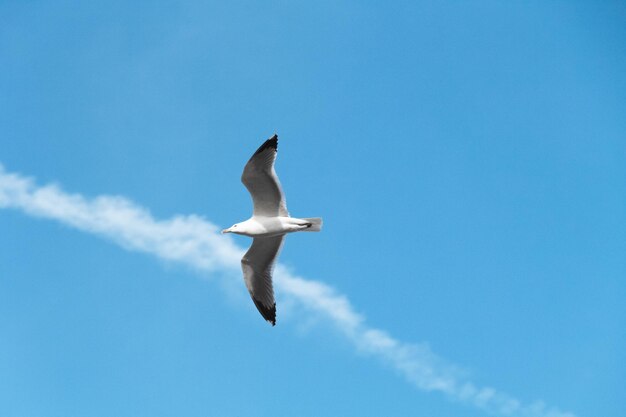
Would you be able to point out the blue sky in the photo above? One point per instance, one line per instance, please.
(468, 158)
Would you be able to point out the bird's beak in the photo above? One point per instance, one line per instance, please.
(226, 231)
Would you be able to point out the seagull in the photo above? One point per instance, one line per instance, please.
(269, 224)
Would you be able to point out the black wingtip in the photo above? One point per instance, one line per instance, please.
(271, 143)
(268, 314)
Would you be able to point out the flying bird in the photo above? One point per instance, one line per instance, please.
(269, 224)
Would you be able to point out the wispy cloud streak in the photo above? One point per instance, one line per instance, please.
(195, 242)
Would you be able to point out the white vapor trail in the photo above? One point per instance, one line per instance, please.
(195, 242)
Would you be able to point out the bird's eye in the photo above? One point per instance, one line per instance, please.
(235, 226)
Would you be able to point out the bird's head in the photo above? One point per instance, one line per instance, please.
(231, 229)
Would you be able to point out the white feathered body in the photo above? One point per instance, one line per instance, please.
(261, 226)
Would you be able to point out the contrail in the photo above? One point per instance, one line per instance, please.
(196, 242)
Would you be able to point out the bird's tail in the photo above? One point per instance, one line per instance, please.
(316, 224)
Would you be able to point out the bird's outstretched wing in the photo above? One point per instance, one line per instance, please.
(260, 179)
(257, 265)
